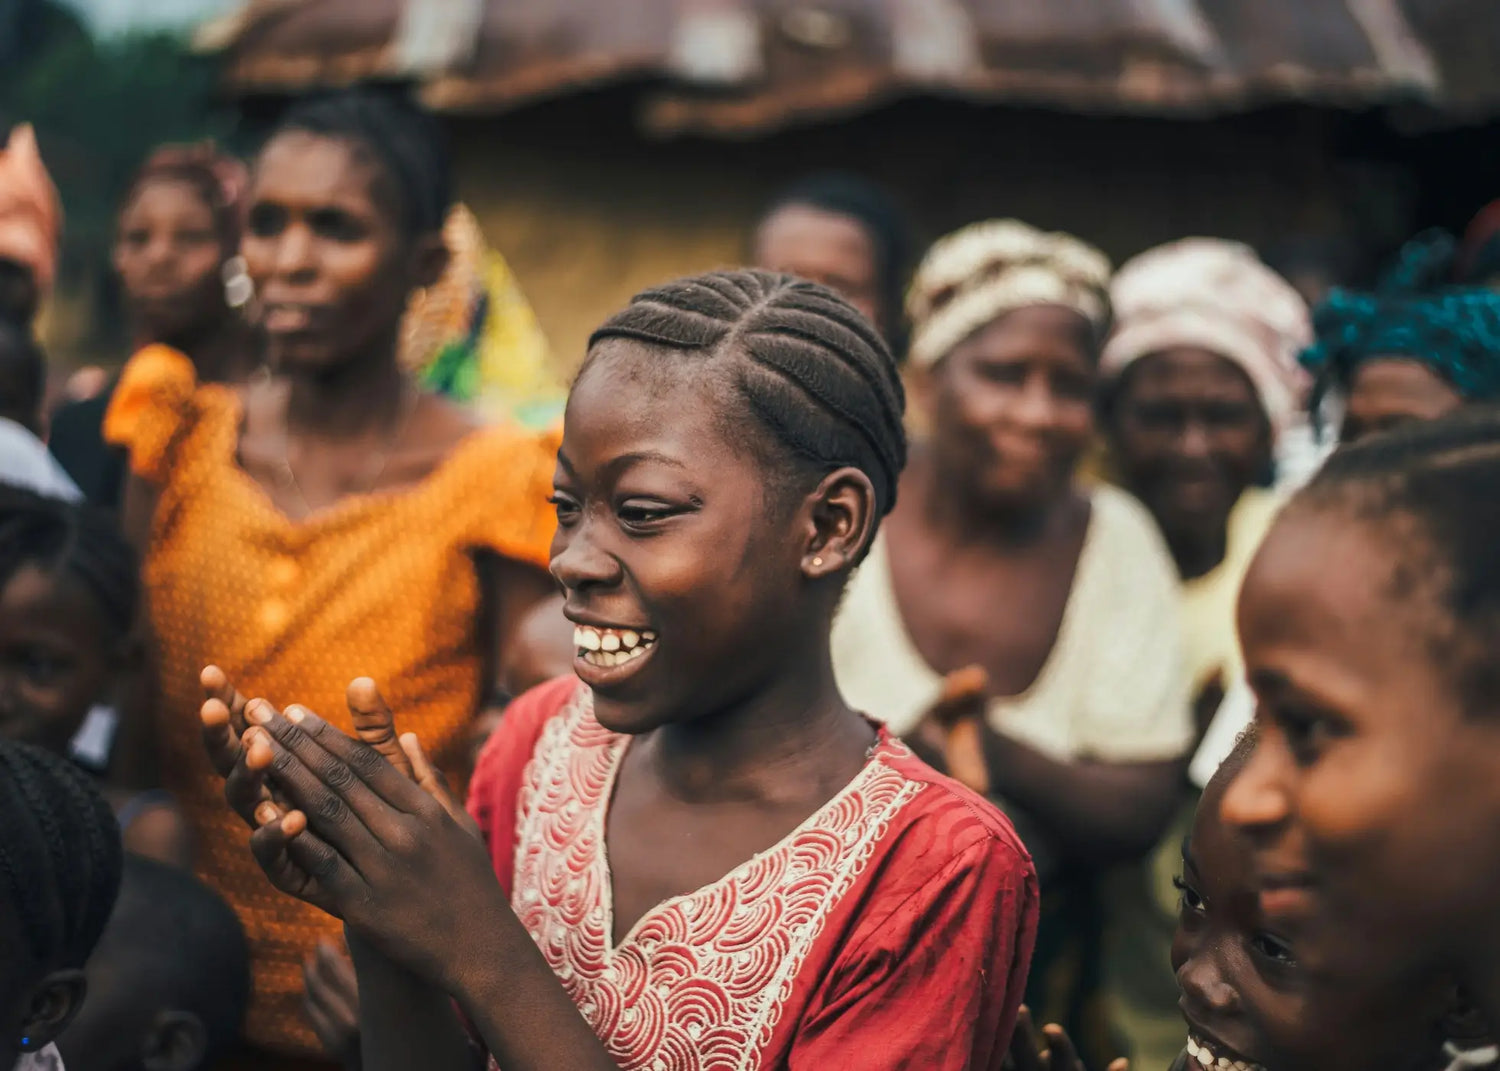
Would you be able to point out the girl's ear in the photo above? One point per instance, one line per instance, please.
(52, 1008)
(841, 523)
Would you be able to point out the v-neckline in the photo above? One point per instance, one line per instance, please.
(600, 821)
(349, 505)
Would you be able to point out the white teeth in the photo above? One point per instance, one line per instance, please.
(648, 636)
(1192, 1047)
(610, 641)
(585, 639)
(636, 652)
(629, 638)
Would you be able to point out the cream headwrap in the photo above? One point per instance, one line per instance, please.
(985, 270)
(1215, 295)
(30, 210)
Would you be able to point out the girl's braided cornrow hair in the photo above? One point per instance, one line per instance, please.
(813, 370)
(1443, 476)
(60, 854)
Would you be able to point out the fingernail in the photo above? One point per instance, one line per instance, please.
(295, 714)
(266, 813)
(259, 712)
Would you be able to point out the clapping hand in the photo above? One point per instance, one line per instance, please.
(1048, 1049)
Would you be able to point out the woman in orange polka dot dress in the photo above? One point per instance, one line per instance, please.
(331, 521)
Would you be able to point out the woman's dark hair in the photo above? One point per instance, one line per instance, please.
(60, 854)
(74, 538)
(811, 368)
(405, 141)
(1441, 478)
(872, 208)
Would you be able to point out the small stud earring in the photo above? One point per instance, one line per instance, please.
(817, 563)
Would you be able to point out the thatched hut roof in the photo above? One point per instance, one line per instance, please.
(744, 67)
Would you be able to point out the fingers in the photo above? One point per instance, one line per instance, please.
(1026, 1044)
(302, 865)
(1062, 1055)
(332, 999)
(355, 772)
(216, 685)
(244, 788)
(1121, 1064)
(323, 788)
(374, 723)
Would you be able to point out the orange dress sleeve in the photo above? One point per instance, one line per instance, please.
(510, 484)
(153, 407)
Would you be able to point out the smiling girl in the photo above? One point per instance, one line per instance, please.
(1370, 621)
(705, 857)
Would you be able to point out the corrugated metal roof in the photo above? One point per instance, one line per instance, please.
(740, 67)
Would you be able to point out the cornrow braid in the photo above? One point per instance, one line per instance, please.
(79, 540)
(405, 140)
(813, 370)
(1444, 477)
(60, 854)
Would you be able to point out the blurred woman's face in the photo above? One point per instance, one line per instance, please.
(1390, 391)
(1012, 408)
(325, 250)
(828, 248)
(1190, 435)
(169, 255)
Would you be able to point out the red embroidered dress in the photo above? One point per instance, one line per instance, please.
(892, 929)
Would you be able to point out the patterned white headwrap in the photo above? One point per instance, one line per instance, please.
(1214, 295)
(986, 270)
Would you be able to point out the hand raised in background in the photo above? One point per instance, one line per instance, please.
(1048, 1049)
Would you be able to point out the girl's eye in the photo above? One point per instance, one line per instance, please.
(1273, 949)
(638, 514)
(567, 509)
(1188, 896)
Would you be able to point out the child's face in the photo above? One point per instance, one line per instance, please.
(673, 563)
(58, 655)
(1244, 996)
(1366, 754)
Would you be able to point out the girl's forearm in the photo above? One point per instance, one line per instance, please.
(524, 1016)
(405, 1024)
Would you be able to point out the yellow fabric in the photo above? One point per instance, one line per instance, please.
(516, 377)
(382, 585)
(1208, 602)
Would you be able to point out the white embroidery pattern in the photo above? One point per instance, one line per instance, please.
(700, 981)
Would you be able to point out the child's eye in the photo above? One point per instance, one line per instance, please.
(43, 669)
(567, 509)
(1307, 733)
(1189, 900)
(638, 514)
(1272, 948)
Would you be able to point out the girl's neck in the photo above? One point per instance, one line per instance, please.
(963, 520)
(358, 396)
(793, 738)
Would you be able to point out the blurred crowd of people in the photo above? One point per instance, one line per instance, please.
(868, 645)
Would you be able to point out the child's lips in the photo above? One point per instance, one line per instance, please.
(1287, 896)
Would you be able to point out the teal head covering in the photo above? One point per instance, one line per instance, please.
(1414, 314)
